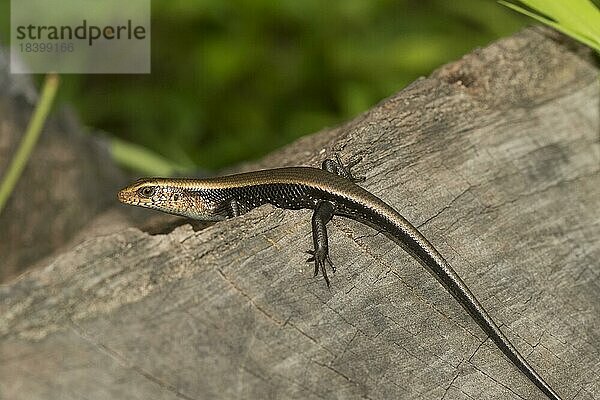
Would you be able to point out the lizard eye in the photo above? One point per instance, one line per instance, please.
(147, 191)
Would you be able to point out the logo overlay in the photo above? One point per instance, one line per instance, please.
(80, 36)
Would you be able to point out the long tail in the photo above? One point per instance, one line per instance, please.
(463, 295)
(409, 238)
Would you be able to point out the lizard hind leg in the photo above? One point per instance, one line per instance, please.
(320, 255)
(344, 170)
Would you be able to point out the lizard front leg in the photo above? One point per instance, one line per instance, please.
(337, 167)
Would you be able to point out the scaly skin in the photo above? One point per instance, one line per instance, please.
(328, 191)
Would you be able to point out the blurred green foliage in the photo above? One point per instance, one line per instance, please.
(232, 80)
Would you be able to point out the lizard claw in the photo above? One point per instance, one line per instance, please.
(321, 259)
(347, 168)
(344, 170)
(312, 256)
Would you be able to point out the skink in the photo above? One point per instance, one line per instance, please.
(329, 191)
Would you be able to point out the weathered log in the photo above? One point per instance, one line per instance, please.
(66, 191)
(494, 157)
(65, 184)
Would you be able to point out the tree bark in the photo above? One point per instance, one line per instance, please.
(494, 157)
(65, 184)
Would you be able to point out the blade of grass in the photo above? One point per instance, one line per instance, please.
(580, 15)
(580, 19)
(140, 159)
(34, 128)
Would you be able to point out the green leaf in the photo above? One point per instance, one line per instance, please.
(579, 19)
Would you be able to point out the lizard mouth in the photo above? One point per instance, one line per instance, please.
(125, 196)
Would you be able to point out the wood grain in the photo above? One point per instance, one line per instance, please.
(495, 157)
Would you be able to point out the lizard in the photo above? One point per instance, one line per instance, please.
(331, 190)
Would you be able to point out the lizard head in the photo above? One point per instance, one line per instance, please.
(169, 195)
